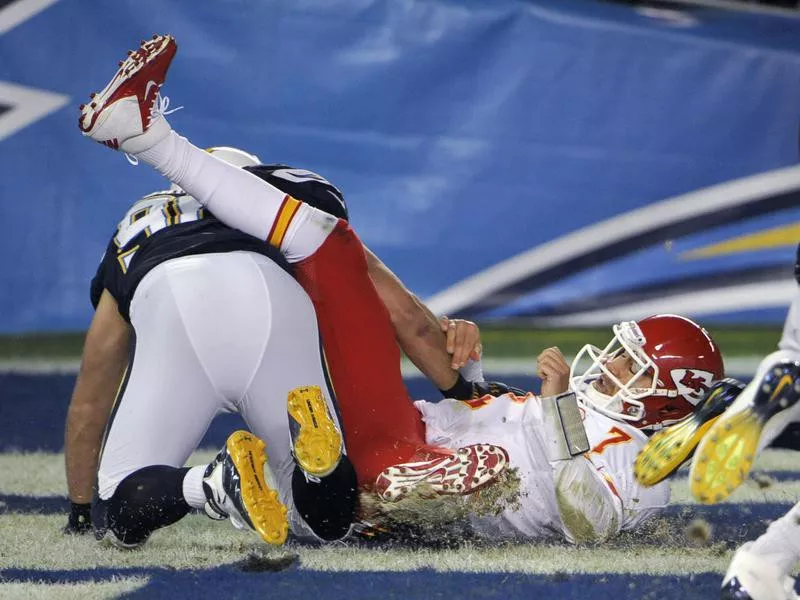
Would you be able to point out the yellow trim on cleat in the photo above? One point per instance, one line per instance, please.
(725, 456)
(667, 450)
(264, 509)
(318, 446)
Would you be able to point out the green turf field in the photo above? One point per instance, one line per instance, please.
(498, 342)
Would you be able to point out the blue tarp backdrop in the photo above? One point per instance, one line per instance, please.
(553, 139)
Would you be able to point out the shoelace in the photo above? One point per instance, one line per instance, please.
(160, 109)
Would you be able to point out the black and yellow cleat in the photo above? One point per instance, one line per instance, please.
(236, 488)
(670, 448)
(316, 439)
(725, 456)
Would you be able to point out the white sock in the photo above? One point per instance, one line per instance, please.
(781, 541)
(193, 487)
(240, 199)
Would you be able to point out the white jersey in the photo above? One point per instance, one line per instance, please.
(516, 424)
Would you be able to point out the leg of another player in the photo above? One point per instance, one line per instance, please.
(290, 378)
(240, 199)
(761, 569)
(162, 413)
(781, 541)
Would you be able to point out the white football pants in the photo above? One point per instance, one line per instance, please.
(788, 349)
(228, 332)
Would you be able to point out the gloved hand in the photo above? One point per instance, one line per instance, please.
(471, 390)
(80, 519)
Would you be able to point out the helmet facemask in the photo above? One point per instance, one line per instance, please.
(626, 403)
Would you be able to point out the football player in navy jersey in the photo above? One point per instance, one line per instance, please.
(215, 324)
(250, 341)
(248, 346)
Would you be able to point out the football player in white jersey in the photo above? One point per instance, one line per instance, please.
(653, 373)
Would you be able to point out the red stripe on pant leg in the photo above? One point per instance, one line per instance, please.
(381, 426)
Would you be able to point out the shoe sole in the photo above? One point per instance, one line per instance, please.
(91, 115)
(668, 449)
(726, 455)
(461, 474)
(318, 445)
(264, 509)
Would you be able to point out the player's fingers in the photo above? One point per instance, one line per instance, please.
(451, 337)
(458, 346)
(543, 353)
(552, 366)
(545, 364)
(477, 352)
(467, 338)
(555, 358)
(468, 342)
(444, 322)
(542, 366)
(544, 356)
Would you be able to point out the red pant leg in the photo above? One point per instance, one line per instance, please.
(381, 426)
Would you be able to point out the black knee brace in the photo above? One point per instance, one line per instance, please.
(144, 501)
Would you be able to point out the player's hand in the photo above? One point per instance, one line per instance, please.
(553, 368)
(463, 341)
(80, 519)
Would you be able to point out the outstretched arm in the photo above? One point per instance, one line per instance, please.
(421, 336)
(417, 329)
(105, 356)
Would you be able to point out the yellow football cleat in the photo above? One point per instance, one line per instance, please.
(725, 456)
(236, 488)
(316, 439)
(669, 448)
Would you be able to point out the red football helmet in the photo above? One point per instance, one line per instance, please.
(676, 352)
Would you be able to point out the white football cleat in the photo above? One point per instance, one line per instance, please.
(124, 115)
(235, 488)
(459, 472)
(753, 577)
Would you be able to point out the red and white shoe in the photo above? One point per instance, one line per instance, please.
(461, 472)
(124, 116)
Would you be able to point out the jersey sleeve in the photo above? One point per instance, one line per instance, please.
(306, 186)
(445, 421)
(99, 281)
(589, 506)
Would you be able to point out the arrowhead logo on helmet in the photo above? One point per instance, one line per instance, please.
(692, 384)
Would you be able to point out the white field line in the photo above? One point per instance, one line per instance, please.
(87, 590)
(741, 366)
(42, 474)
